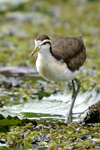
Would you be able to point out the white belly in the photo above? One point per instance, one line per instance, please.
(51, 69)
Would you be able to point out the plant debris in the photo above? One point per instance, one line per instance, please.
(93, 115)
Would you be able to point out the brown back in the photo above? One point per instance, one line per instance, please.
(71, 50)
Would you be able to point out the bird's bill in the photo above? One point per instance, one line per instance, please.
(35, 50)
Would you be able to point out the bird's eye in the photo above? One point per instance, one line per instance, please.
(44, 44)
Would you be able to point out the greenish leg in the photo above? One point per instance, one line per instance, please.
(68, 119)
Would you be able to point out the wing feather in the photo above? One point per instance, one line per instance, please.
(71, 50)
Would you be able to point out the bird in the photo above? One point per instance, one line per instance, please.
(60, 59)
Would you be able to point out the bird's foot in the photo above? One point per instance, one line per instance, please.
(68, 119)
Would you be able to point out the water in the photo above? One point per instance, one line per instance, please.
(53, 107)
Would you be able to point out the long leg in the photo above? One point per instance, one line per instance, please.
(73, 89)
(68, 119)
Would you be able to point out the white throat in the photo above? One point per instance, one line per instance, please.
(52, 69)
(45, 50)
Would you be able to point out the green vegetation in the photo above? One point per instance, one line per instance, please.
(52, 136)
(20, 24)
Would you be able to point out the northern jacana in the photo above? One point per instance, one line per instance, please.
(60, 59)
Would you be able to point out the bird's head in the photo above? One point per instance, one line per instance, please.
(42, 42)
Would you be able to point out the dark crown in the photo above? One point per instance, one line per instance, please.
(42, 37)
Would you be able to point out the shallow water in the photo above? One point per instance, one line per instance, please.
(53, 107)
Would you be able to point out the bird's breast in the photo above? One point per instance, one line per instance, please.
(54, 70)
(50, 68)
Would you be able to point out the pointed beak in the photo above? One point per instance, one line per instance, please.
(35, 50)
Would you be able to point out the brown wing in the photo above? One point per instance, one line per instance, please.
(71, 50)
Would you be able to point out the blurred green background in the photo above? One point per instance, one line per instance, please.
(23, 20)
